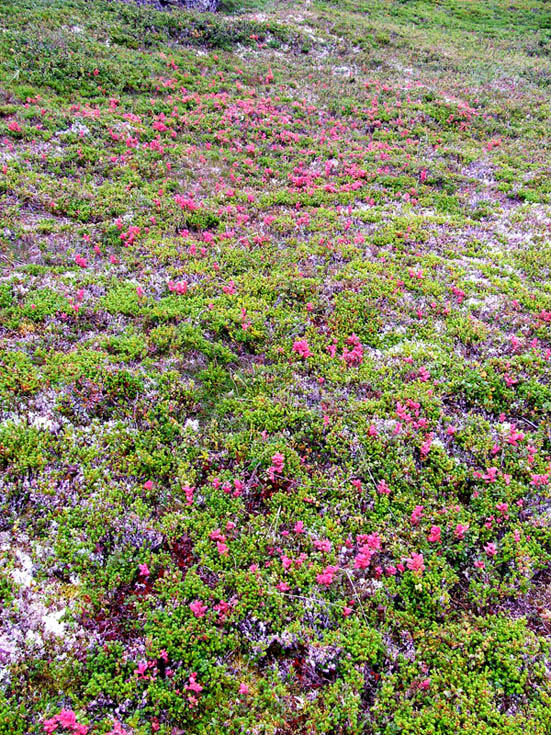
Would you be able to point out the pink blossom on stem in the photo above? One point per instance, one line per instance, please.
(363, 558)
(383, 488)
(354, 356)
(460, 530)
(416, 563)
(326, 577)
(417, 514)
(198, 608)
(302, 349)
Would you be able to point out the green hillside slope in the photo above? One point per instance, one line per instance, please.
(275, 368)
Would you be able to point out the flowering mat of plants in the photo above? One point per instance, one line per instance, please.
(275, 313)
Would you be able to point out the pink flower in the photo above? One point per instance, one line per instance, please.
(417, 514)
(198, 608)
(144, 570)
(426, 445)
(185, 202)
(491, 474)
(222, 548)
(373, 541)
(66, 718)
(286, 562)
(435, 535)
(416, 563)
(243, 688)
(424, 374)
(278, 461)
(193, 685)
(332, 348)
(141, 670)
(322, 545)
(363, 558)
(460, 531)
(188, 492)
(50, 725)
(180, 287)
(326, 577)
(302, 349)
(490, 549)
(356, 354)
(515, 436)
(383, 488)
(299, 527)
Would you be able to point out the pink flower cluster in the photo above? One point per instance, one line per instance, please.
(220, 539)
(179, 287)
(417, 514)
(188, 492)
(354, 356)
(326, 577)
(302, 348)
(416, 563)
(198, 608)
(186, 202)
(67, 719)
(278, 461)
(369, 544)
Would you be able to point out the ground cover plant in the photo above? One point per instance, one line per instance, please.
(275, 312)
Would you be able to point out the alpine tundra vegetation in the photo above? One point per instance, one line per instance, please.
(275, 368)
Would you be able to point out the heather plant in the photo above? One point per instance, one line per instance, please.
(275, 450)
